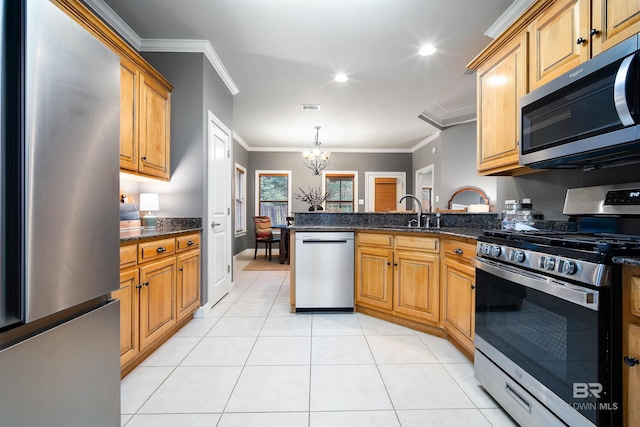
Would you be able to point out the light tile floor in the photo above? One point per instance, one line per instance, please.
(250, 362)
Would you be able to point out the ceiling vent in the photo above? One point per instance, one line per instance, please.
(314, 107)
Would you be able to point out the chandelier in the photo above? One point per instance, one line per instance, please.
(316, 160)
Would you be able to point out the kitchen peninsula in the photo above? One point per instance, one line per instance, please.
(417, 277)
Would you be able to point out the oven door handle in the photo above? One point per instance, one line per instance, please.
(566, 291)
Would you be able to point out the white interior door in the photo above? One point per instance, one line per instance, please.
(219, 208)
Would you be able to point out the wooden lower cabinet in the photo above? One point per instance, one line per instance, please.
(159, 292)
(128, 296)
(401, 282)
(188, 283)
(631, 345)
(416, 285)
(374, 277)
(458, 282)
(157, 300)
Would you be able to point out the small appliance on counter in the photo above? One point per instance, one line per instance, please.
(519, 214)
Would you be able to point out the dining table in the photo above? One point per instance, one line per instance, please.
(283, 248)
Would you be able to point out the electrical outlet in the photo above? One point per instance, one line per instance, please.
(437, 198)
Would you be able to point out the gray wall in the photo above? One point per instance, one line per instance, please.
(302, 177)
(547, 188)
(197, 89)
(455, 164)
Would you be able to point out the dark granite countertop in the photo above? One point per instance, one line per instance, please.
(462, 232)
(141, 233)
(632, 261)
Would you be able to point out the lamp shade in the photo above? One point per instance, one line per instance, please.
(149, 202)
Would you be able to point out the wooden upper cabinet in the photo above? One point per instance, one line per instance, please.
(501, 81)
(129, 88)
(615, 20)
(560, 40)
(154, 129)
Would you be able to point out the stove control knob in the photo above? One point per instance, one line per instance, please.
(548, 263)
(569, 268)
(496, 251)
(517, 256)
(486, 249)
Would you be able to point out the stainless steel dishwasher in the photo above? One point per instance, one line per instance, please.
(324, 264)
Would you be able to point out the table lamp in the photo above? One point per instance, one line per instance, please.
(149, 202)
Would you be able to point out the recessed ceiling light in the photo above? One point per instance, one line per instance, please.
(427, 50)
(341, 77)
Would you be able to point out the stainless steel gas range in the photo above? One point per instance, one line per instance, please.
(548, 304)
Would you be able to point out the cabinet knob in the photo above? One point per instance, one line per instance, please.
(143, 158)
(139, 287)
(388, 263)
(581, 40)
(190, 242)
(395, 264)
(594, 32)
(630, 361)
(161, 249)
(457, 251)
(473, 286)
(181, 269)
(145, 284)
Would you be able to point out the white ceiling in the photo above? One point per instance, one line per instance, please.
(284, 53)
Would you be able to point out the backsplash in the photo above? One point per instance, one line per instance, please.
(459, 220)
(166, 222)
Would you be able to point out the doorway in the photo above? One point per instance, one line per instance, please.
(424, 187)
(383, 190)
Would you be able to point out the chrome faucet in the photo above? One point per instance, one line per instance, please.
(411, 196)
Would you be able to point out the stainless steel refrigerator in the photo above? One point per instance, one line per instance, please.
(59, 252)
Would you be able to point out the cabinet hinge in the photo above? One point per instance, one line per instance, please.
(228, 153)
(228, 211)
(228, 268)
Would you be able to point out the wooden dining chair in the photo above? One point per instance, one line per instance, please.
(264, 234)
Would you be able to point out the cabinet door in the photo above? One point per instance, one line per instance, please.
(154, 129)
(502, 81)
(554, 40)
(416, 284)
(129, 89)
(616, 21)
(157, 300)
(632, 377)
(374, 277)
(459, 306)
(188, 285)
(128, 296)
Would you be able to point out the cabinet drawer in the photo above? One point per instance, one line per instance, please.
(457, 249)
(156, 249)
(128, 256)
(188, 241)
(375, 239)
(417, 243)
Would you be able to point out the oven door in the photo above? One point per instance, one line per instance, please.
(546, 335)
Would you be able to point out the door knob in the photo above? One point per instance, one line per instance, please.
(213, 224)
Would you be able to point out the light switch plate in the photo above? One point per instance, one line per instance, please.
(361, 201)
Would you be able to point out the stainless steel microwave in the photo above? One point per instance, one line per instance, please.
(587, 118)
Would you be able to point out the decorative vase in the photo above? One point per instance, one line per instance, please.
(315, 208)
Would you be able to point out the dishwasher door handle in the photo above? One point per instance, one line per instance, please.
(324, 241)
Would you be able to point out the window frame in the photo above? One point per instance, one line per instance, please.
(261, 172)
(354, 174)
(243, 202)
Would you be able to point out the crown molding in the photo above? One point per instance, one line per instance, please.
(114, 21)
(241, 141)
(333, 150)
(426, 141)
(437, 116)
(509, 16)
(191, 46)
(161, 45)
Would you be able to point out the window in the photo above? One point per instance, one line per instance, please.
(343, 191)
(240, 179)
(273, 195)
